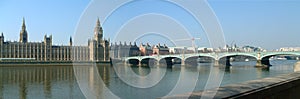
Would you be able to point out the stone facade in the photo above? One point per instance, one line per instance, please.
(146, 50)
(97, 49)
(123, 50)
(160, 50)
(127, 50)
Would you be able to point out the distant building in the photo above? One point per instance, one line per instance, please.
(160, 50)
(123, 50)
(252, 49)
(146, 50)
(181, 50)
(97, 49)
(289, 49)
(134, 50)
(205, 50)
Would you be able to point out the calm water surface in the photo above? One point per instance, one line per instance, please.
(60, 82)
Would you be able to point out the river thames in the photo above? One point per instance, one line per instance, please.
(60, 82)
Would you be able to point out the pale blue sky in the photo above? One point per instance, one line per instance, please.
(267, 23)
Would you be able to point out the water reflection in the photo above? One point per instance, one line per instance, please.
(103, 82)
(38, 81)
(227, 69)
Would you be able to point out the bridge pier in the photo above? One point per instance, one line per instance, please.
(139, 64)
(182, 62)
(225, 62)
(125, 62)
(263, 63)
(216, 63)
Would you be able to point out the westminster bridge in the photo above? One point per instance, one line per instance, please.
(220, 58)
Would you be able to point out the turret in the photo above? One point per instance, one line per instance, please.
(1, 39)
(48, 47)
(165, 46)
(48, 40)
(135, 44)
(98, 31)
(70, 42)
(23, 33)
(147, 44)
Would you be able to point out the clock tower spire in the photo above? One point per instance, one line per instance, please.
(23, 33)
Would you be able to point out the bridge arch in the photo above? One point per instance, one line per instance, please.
(191, 60)
(146, 57)
(269, 55)
(237, 54)
(170, 56)
(150, 61)
(200, 55)
(224, 59)
(131, 58)
(264, 59)
(197, 58)
(170, 60)
(133, 61)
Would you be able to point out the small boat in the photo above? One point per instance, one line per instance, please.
(246, 60)
(278, 58)
(232, 59)
(281, 58)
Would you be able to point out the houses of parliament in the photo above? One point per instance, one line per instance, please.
(96, 50)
